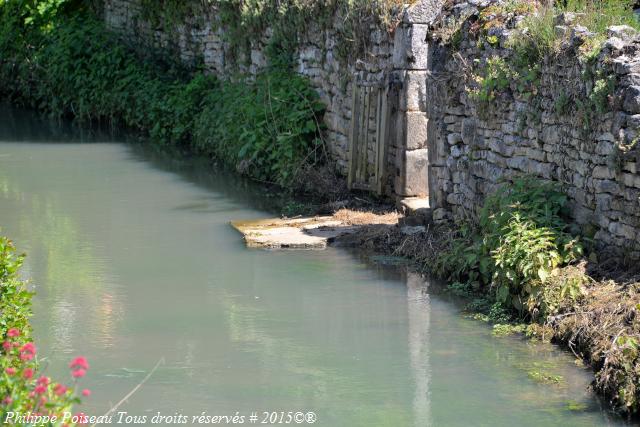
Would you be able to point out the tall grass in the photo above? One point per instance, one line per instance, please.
(537, 36)
(598, 15)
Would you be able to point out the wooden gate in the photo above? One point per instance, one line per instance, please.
(368, 136)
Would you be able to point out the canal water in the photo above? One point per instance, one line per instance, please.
(134, 262)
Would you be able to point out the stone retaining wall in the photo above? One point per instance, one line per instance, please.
(476, 146)
(201, 39)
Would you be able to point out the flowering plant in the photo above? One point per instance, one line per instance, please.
(28, 393)
(27, 397)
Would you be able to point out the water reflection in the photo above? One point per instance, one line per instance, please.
(64, 264)
(20, 125)
(419, 315)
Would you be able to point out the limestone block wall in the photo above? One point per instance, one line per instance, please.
(394, 59)
(475, 146)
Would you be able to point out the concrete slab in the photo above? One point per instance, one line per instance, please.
(297, 233)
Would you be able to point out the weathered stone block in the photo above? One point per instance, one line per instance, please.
(411, 49)
(606, 186)
(631, 167)
(498, 146)
(623, 32)
(457, 151)
(440, 215)
(603, 172)
(423, 12)
(416, 130)
(454, 138)
(413, 96)
(455, 199)
(624, 65)
(413, 179)
(468, 128)
(631, 180)
(632, 99)
(605, 148)
(622, 230)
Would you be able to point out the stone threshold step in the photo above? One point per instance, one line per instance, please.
(416, 211)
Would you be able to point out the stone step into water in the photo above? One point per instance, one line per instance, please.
(296, 233)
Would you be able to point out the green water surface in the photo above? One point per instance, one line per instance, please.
(133, 261)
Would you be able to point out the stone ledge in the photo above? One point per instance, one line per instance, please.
(298, 233)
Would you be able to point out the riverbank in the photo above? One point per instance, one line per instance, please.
(60, 59)
(594, 316)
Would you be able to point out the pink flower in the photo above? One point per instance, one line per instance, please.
(43, 380)
(7, 400)
(78, 373)
(40, 389)
(86, 392)
(10, 371)
(28, 348)
(6, 346)
(27, 351)
(13, 332)
(27, 374)
(59, 389)
(79, 362)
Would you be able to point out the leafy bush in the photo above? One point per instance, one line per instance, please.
(15, 299)
(269, 127)
(21, 388)
(499, 14)
(495, 77)
(72, 66)
(519, 241)
(499, 74)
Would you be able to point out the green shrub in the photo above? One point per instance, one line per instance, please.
(23, 388)
(268, 127)
(519, 241)
(70, 65)
(15, 299)
(494, 77)
(536, 35)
